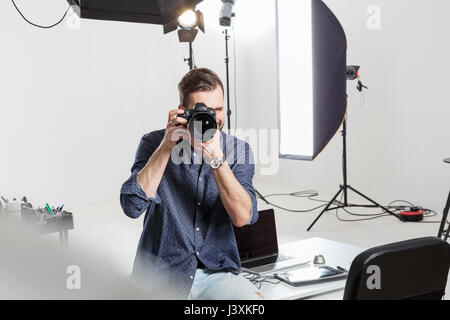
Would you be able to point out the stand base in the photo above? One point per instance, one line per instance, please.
(344, 189)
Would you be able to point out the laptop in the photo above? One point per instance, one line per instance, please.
(258, 247)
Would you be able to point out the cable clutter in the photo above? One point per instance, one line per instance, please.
(397, 206)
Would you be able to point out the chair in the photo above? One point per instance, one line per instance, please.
(415, 269)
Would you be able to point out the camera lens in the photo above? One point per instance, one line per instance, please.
(203, 126)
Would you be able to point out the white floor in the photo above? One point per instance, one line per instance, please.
(103, 228)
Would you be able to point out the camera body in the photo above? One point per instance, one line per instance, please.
(202, 123)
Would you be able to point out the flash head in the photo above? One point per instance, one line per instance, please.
(226, 13)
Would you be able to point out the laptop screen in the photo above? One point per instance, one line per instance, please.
(259, 239)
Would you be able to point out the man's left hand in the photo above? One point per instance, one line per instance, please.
(210, 149)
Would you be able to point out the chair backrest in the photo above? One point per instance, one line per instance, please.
(412, 269)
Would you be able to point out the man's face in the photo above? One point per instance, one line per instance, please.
(212, 99)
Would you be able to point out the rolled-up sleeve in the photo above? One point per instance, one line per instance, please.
(133, 199)
(244, 170)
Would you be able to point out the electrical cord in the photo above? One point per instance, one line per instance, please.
(235, 78)
(37, 25)
(372, 216)
(286, 209)
(258, 280)
(193, 58)
(311, 194)
(396, 209)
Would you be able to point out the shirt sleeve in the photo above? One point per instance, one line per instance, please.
(244, 170)
(133, 199)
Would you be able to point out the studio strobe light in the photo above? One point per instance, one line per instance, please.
(226, 13)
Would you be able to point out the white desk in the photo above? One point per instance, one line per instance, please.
(335, 253)
(99, 224)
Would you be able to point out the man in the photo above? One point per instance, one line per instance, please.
(191, 207)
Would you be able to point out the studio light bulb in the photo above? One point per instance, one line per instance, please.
(188, 19)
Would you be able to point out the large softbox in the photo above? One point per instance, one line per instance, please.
(312, 82)
(143, 11)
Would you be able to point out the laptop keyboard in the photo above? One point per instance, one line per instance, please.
(264, 261)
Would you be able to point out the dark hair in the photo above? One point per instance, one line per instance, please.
(202, 79)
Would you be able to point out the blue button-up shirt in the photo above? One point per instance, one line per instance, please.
(186, 223)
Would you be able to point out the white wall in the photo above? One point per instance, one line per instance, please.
(400, 135)
(74, 103)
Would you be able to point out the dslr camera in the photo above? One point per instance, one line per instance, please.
(202, 123)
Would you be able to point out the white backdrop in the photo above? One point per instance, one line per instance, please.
(400, 135)
(74, 103)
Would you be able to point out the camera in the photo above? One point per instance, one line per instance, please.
(202, 123)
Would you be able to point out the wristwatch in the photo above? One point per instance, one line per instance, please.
(216, 163)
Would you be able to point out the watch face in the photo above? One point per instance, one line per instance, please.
(216, 163)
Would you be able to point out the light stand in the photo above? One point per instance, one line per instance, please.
(190, 60)
(345, 187)
(227, 61)
(442, 231)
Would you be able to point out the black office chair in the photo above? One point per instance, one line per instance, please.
(415, 269)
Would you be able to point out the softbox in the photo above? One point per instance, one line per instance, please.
(142, 11)
(312, 83)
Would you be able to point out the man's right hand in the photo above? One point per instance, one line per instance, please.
(176, 128)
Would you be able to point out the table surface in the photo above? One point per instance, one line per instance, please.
(335, 253)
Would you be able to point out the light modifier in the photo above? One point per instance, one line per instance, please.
(312, 100)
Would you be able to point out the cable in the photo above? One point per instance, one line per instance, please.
(290, 210)
(396, 209)
(310, 194)
(235, 78)
(258, 280)
(193, 58)
(37, 25)
(372, 216)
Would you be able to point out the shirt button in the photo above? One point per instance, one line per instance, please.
(199, 179)
(199, 204)
(197, 229)
(198, 253)
(192, 277)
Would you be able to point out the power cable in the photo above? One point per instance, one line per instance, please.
(311, 194)
(37, 25)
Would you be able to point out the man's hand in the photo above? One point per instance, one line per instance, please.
(175, 129)
(150, 176)
(209, 149)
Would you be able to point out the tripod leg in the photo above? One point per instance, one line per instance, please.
(326, 208)
(444, 219)
(375, 203)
